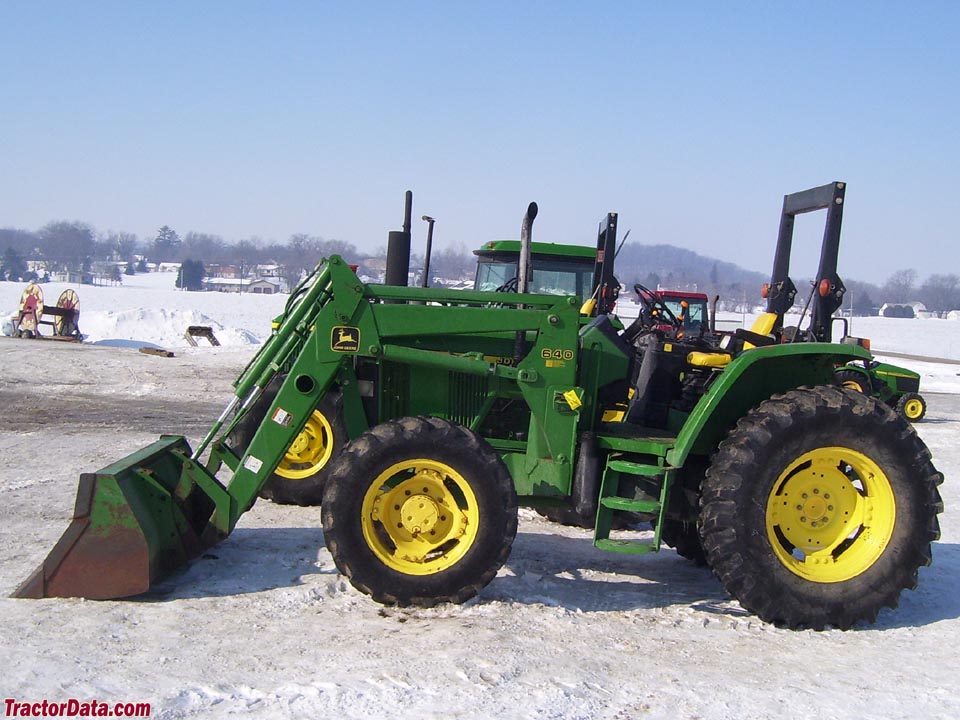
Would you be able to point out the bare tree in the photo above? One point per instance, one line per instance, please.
(941, 293)
(23, 241)
(453, 263)
(67, 245)
(208, 248)
(899, 287)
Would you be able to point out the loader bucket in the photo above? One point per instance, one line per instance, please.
(134, 521)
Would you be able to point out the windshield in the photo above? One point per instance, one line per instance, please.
(549, 277)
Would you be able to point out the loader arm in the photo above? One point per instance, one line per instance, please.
(416, 343)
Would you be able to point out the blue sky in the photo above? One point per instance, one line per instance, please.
(691, 120)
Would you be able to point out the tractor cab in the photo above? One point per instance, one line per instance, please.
(672, 310)
(557, 269)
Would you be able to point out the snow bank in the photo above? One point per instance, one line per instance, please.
(148, 309)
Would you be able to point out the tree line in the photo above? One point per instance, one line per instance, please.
(76, 246)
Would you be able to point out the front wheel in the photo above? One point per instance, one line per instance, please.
(418, 511)
(302, 472)
(819, 508)
(912, 407)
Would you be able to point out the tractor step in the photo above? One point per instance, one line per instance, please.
(655, 486)
(628, 505)
(631, 547)
(632, 468)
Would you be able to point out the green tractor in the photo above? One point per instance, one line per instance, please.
(813, 504)
(896, 386)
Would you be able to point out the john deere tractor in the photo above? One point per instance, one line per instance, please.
(814, 505)
(898, 387)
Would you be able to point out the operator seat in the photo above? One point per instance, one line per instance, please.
(759, 334)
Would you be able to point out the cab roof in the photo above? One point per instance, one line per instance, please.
(537, 248)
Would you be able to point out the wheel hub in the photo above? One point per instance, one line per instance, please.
(830, 514)
(300, 444)
(310, 450)
(814, 509)
(419, 514)
(424, 523)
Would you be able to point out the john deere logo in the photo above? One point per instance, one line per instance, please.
(345, 339)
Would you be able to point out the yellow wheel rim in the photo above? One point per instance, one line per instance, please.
(854, 385)
(913, 408)
(830, 515)
(310, 451)
(420, 517)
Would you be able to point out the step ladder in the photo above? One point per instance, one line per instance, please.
(659, 475)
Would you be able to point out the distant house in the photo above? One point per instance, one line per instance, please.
(263, 286)
(77, 277)
(258, 286)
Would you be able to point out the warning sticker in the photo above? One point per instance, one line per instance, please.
(253, 464)
(282, 417)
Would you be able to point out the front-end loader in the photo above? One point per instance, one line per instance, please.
(813, 504)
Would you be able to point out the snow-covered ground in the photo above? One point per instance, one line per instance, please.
(148, 308)
(264, 626)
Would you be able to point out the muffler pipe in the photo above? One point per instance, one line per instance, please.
(425, 279)
(398, 249)
(523, 275)
(526, 232)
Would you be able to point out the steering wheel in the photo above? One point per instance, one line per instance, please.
(509, 286)
(649, 320)
(655, 306)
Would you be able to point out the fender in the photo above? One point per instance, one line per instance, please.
(749, 379)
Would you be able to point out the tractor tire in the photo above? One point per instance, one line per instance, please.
(854, 380)
(684, 537)
(302, 472)
(912, 407)
(419, 511)
(819, 508)
(565, 516)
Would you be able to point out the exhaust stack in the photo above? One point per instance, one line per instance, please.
(398, 249)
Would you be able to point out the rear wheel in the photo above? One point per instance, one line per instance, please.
(912, 407)
(418, 511)
(819, 508)
(853, 380)
(683, 536)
